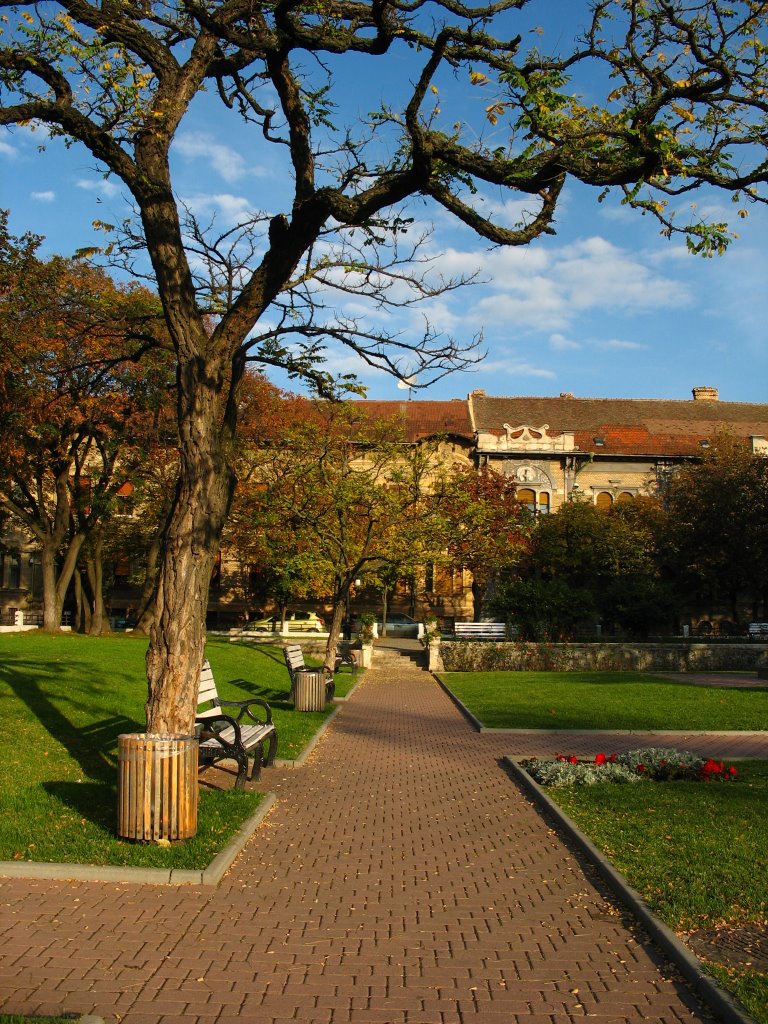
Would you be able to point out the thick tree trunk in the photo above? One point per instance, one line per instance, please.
(334, 629)
(82, 619)
(94, 568)
(56, 584)
(200, 506)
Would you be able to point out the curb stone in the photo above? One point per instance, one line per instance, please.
(301, 759)
(210, 876)
(720, 1002)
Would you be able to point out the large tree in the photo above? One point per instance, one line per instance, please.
(716, 543)
(587, 566)
(337, 497)
(484, 529)
(73, 406)
(683, 106)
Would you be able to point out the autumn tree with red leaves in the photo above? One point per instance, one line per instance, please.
(72, 411)
(484, 528)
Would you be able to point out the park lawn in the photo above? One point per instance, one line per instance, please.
(605, 700)
(64, 700)
(694, 851)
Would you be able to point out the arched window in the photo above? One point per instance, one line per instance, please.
(526, 496)
(625, 496)
(604, 501)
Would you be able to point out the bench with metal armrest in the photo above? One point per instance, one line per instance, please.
(233, 729)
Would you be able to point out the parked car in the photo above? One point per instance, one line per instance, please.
(399, 624)
(294, 622)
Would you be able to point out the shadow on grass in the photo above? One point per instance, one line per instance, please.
(96, 802)
(93, 746)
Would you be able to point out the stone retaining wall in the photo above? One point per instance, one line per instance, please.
(515, 656)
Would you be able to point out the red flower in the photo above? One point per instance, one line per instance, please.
(573, 759)
(600, 759)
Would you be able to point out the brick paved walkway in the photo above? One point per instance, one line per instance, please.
(400, 879)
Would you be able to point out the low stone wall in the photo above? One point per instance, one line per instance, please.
(517, 656)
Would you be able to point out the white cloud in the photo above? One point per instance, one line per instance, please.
(224, 160)
(44, 197)
(103, 186)
(230, 208)
(9, 151)
(560, 343)
(619, 344)
(543, 287)
(517, 368)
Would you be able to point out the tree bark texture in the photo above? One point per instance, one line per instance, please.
(333, 633)
(201, 502)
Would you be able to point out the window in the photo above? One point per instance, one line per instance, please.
(429, 577)
(625, 496)
(526, 496)
(35, 576)
(10, 571)
(543, 503)
(604, 501)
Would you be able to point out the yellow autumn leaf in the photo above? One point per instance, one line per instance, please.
(434, 89)
(682, 112)
(478, 78)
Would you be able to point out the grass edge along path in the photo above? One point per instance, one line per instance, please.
(627, 701)
(64, 699)
(688, 877)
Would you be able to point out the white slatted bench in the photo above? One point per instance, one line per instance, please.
(480, 630)
(235, 736)
(758, 629)
(294, 660)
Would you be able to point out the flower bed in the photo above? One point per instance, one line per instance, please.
(654, 764)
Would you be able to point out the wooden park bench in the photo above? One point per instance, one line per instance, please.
(480, 630)
(294, 659)
(235, 736)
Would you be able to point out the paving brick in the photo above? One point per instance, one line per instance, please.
(402, 878)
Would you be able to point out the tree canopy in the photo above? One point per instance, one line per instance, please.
(335, 497)
(715, 546)
(658, 99)
(74, 407)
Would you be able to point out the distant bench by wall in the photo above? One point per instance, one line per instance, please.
(480, 631)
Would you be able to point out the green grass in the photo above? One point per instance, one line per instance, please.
(63, 702)
(346, 679)
(604, 700)
(695, 852)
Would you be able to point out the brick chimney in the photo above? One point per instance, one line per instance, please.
(705, 395)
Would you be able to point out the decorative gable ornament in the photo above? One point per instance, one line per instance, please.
(525, 438)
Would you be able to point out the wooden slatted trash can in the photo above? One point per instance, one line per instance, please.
(309, 691)
(157, 787)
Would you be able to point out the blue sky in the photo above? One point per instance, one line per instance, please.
(604, 308)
